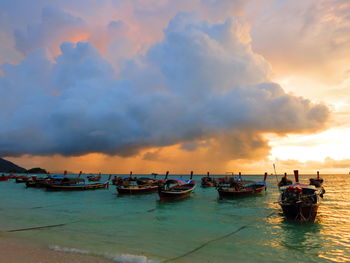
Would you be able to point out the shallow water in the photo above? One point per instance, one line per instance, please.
(201, 228)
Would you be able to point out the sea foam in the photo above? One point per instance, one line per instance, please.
(122, 258)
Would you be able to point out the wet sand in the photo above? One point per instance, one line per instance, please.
(18, 251)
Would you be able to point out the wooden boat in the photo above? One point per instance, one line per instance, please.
(236, 187)
(4, 178)
(175, 189)
(300, 202)
(317, 182)
(77, 187)
(118, 180)
(138, 189)
(208, 181)
(146, 180)
(22, 179)
(74, 184)
(37, 182)
(285, 181)
(94, 178)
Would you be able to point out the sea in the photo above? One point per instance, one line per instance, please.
(201, 228)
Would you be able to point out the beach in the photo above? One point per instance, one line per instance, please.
(20, 251)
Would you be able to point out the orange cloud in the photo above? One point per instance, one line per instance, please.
(79, 37)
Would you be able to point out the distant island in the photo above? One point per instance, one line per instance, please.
(9, 167)
(37, 170)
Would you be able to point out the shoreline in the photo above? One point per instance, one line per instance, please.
(18, 251)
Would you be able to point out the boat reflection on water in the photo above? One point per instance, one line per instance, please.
(301, 236)
(304, 238)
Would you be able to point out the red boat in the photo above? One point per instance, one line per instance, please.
(175, 189)
(94, 178)
(4, 178)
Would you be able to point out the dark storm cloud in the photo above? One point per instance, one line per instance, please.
(202, 81)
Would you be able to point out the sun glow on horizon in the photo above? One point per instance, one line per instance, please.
(332, 143)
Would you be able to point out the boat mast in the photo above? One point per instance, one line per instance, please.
(274, 168)
(296, 175)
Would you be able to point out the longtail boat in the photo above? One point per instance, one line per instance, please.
(175, 189)
(75, 184)
(94, 178)
(80, 187)
(118, 180)
(236, 187)
(318, 181)
(300, 202)
(137, 189)
(4, 178)
(285, 181)
(37, 182)
(22, 179)
(208, 181)
(146, 180)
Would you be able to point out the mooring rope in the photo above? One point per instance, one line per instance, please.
(63, 224)
(214, 240)
(41, 227)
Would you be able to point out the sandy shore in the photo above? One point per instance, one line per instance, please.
(18, 251)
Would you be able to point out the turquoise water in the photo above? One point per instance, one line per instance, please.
(251, 229)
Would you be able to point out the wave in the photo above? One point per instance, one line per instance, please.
(122, 258)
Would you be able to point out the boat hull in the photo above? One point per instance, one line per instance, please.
(57, 187)
(36, 184)
(21, 180)
(232, 193)
(4, 178)
(300, 212)
(137, 190)
(173, 195)
(94, 179)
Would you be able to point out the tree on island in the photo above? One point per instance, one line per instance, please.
(37, 170)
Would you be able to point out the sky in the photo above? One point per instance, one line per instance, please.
(154, 85)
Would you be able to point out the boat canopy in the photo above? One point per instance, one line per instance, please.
(57, 177)
(178, 181)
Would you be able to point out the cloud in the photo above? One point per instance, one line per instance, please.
(305, 37)
(327, 164)
(201, 82)
(55, 27)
